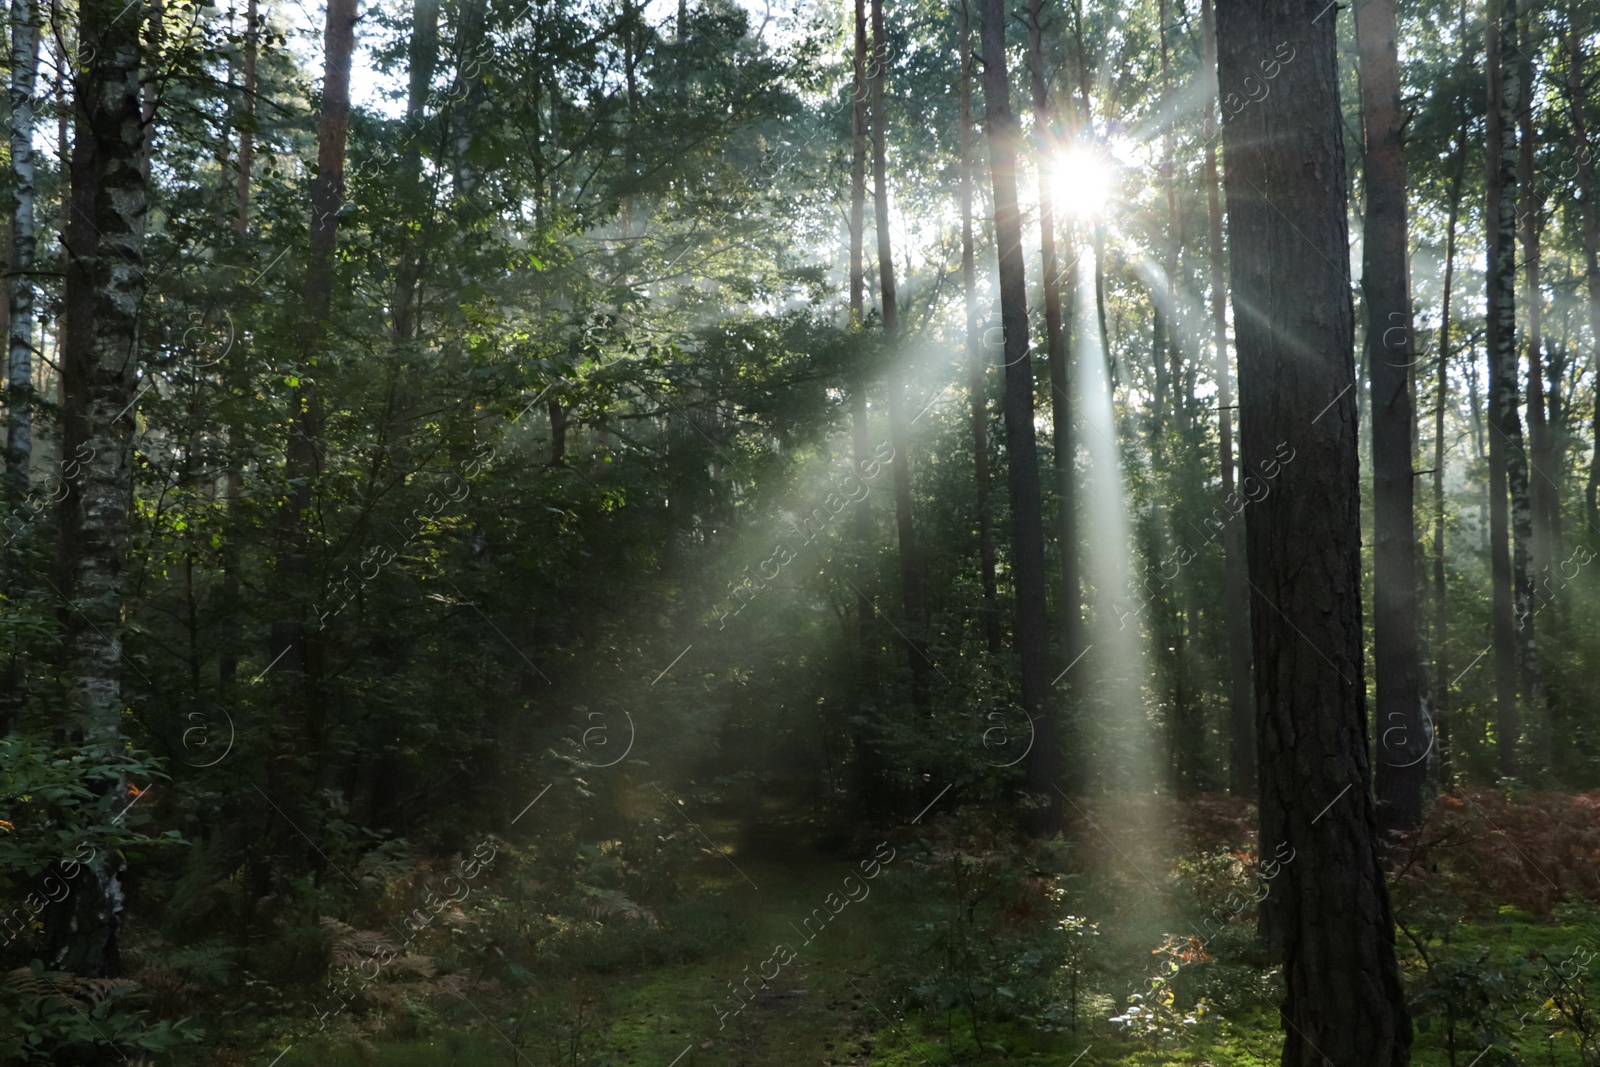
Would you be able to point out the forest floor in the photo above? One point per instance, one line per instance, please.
(827, 1008)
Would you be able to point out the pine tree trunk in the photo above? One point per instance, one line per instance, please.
(1386, 298)
(1441, 603)
(1590, 186)
(423, 51)
(976, 359)
(294, 647)
(1027, 520)
(19, 368)
(871, 765)
(1328, 915)
(105, 287)
(1501, 213)
(235, 371)
(1071, 608)
(910, 565)
(1174, 243)
(1532, 529)
(1241, 709)
(1242, 712)
(1540, 490)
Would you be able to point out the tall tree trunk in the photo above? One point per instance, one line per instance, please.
(870, 763)
(19, 369)
(1501, 215)
(910, 565)
(235, 368)
(1071, 608)
(1022, 460)
(977, 363)
(105, 288)
(247, 128)
(862, 438)
(1577, 100)
(291, 639)
(1174, 243)
(1540, 491)
(1386, 298)
(423, 51)
(1241, 707)
(1441, 603)
(1531, 515)
(1087, 136)
(1328, 915)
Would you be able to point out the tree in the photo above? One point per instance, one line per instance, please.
(915, 637)
(1577, 95)
(1056, 349)
(1241, 710)
(295, 647)
(228, 659)
(105, 287)
(977, 361)
(1022, 462)
(1391, 352)
(1284, 167)
(1501, 213)
(19, 424)
(1441, 602)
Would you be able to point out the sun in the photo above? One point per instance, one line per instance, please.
(1083, 181)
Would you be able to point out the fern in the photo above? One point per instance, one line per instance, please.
(39, 988)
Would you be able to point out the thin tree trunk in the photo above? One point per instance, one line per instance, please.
(1576, 100)
(105, 287)
(19, 398)
(1539, 489)
(1174, 352)
(1386, 298)
(247, 130)
(1328, 915)
(1071, 608)
(910, 565)
(1531, 517)
(1241, 708)
(1501, 213)
(861, 434)
(1441, 603)
(977, 362)
(1027, 521)
(290, 638)
(423, 60)
(235, 370)
(871, 764)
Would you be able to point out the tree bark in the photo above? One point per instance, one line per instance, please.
(1027, 529)
(1540, 490)
(1576, 99)
(1174, 244)
(1441, 603)
(19, 369)
(915, 638)
(290, 639)
(423, 60)
(1531, 515)
(977, 361)
(234, 369)
(1071, 608)
(861, 434)
(1328, 915)
(1236, 606)
(105, 288)
(1391, 351)
(1500, 214)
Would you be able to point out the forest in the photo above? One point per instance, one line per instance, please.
(853, 532)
